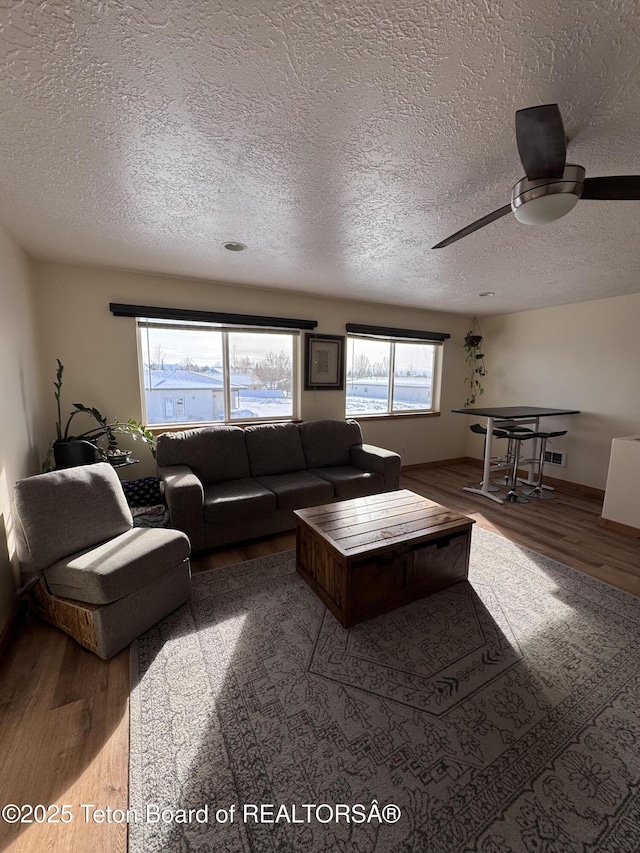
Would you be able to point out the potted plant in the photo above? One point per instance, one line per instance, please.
(70, 449)
(475, 360)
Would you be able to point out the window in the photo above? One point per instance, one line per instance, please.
(169, 413)
(390, 375)
(193, 372)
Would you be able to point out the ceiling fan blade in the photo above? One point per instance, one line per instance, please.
(612, 188)
(541, 141)
(475, 226)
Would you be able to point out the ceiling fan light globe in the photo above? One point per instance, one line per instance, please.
(548, 208)
(541, 201)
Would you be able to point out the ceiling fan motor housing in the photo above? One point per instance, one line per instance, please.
(547, 199)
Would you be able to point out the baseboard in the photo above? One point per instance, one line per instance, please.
(561, 485)
(626, 529)
(439, 463)
(8, 632)
(591, 491)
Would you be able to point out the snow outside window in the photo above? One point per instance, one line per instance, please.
(386, 376)
(202, 373)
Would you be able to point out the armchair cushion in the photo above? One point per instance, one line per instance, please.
(91, 495)
(350, 482)
(224, 502)
(328, 443)
(114, 569)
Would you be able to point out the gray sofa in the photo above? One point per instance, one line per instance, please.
(225, 484)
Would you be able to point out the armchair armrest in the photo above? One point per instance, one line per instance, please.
(378, 461)
(185, 498)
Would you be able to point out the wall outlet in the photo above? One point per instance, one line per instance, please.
(402, 451)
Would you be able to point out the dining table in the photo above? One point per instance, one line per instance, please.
(494, 416)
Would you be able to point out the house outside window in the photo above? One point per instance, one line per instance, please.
(387, 376)
(205, 373)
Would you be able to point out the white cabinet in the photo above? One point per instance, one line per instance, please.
(622, 495)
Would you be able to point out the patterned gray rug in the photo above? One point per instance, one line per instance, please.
(501, 715)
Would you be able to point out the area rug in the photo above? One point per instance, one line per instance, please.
(501, 715)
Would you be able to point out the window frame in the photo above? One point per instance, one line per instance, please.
(226, 331)
(436, 380)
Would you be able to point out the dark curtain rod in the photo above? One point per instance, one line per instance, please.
(388, 332)
(119, 309)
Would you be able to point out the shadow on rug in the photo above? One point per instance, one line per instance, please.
(499, 715)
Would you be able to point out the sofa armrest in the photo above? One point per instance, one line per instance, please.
(184, 494)
(378, 461)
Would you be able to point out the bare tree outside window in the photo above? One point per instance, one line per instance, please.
(274, 372)
(188, 364)
(361, 367)
(239, 363)
(380, 368)
(159, 354)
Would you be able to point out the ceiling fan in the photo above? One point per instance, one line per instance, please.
(552, 187)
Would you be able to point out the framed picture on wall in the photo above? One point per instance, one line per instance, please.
(323, 362)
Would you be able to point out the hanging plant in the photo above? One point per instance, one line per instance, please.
(475, 361)
(472, 340)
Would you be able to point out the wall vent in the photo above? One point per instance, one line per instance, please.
(555, 457)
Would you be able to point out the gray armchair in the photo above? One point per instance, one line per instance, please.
(90, 572)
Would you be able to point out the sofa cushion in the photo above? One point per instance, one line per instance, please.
(235, 499)
(350, 482)
(328, 443)
(214, 454)
(298, 489)
(274, 449)
(116, 568)
(90, 494)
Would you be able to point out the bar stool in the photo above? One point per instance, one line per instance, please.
(517, 436)
(506, 460)
(539, 492)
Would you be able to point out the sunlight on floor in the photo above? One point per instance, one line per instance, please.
(229, 632)
(534, 622)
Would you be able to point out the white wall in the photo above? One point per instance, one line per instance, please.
(583, 356)
(21, 402)
(100, 356)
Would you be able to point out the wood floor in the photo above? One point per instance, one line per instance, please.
(64, 712)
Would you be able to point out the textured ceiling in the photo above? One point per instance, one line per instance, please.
(338, 140)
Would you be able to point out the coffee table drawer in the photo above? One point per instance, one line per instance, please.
(440, 563)
(378, 584)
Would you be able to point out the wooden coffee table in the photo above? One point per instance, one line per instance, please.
(369, 555)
